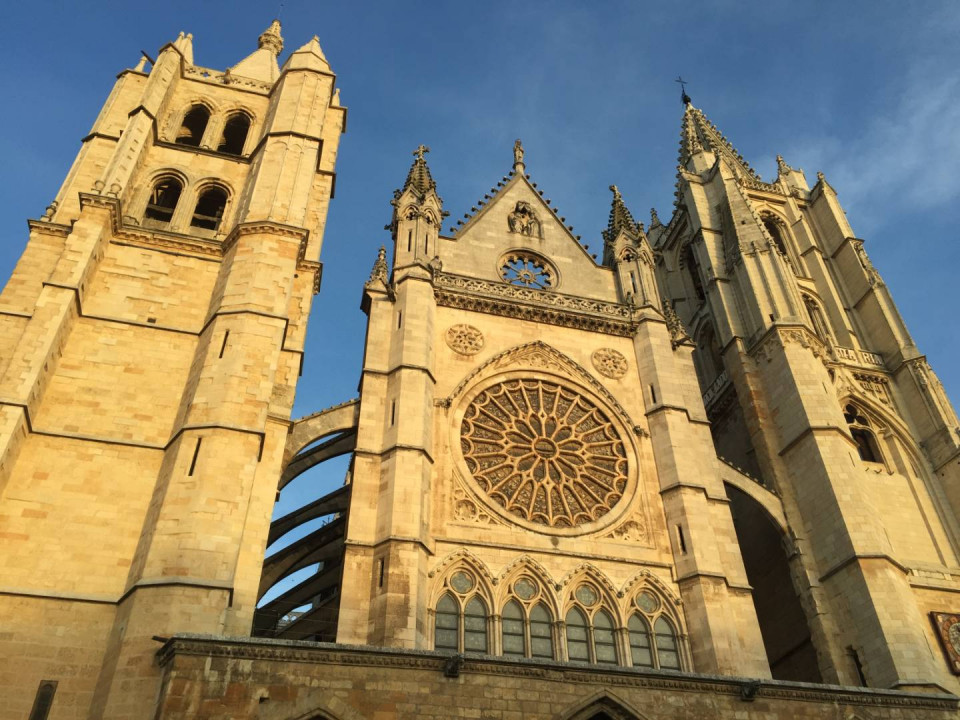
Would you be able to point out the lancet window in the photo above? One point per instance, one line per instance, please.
(526, 622)
(776, 233)
(862, 434)
(652, 636)
(590, 629)
(460, 622)
(193, 126)
(693, 267)
(817, 319)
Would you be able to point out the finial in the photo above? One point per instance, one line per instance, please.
(782, 167)
(379, 271)
(141, 63)
(821, 177)
(421, 149)
(271, 38)
(654, 218)
(518, 165)
(683, 90)
(616, 191)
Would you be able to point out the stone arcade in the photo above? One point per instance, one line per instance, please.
(707, 476)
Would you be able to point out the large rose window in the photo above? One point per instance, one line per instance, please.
(544, 453)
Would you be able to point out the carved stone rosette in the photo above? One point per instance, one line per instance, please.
(609, 363)
(464, 339)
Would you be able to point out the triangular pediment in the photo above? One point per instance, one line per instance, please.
(518, 218)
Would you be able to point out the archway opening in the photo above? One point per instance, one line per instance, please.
(299, 595)
(783, 623)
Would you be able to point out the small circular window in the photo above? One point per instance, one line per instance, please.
(527, 270)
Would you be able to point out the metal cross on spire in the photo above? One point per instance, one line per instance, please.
(683, 90)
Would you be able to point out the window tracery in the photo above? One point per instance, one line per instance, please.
(544, 453)
(527, 624)
(651, 634)
(590, 630)
(460, 618)
(528, 270)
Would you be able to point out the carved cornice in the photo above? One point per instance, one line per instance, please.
(551, 308)
(267, 651)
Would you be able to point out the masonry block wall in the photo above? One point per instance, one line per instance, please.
(152, 337)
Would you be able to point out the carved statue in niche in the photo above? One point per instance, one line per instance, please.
(524, 220)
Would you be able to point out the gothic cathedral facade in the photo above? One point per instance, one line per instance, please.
(704, 474)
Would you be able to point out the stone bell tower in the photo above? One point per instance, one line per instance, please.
(152, 337)
(813, 385)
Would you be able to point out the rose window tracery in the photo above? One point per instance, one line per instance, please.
(527, 270)
(544, 453)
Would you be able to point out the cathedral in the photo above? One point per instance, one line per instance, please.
(704, 473)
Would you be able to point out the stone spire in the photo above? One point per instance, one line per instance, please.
(261, 64)
(620, 218)
(271, 38)
(700, 135)
(419, 177)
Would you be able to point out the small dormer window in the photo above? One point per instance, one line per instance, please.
(528, 270)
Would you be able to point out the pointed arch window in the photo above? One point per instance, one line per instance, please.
(652, 636)
(776, 233)
(234, 134)
(641, 652)
(693, 267)
(590, 632)
(817, 319)
(193, 126)
(668, 655)
(527, 624)
(162, 202)
(862, 434)
(209, 209)
(460, 618)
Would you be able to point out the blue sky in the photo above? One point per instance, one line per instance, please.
(867, 92)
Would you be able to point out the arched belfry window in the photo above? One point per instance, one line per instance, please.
(590, 628)
(209, 210)
(652, 635)
(776, 232)
(693, 267)
(234, 134)
(193, 126)
(460, 622)
(862, 434)
(162, 202)
(527, 624)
